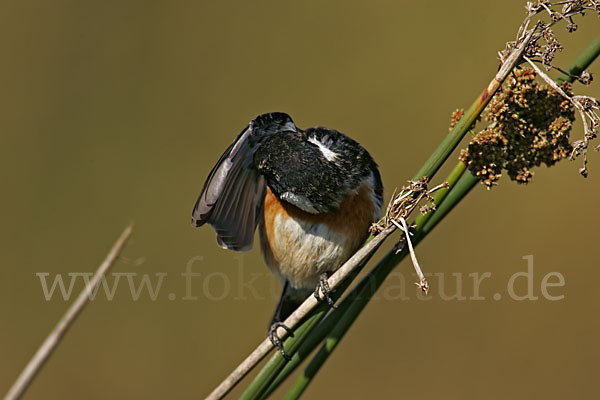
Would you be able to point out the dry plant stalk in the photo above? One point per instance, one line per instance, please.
(422, 284)
(55, 336)
(404, 203)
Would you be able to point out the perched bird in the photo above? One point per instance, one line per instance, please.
(313, 194)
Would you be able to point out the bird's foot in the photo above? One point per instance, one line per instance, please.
(276, 340)
(323, 291)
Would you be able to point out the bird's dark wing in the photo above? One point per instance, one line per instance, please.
(233, 193)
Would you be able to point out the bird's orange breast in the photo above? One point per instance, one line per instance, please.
(299, 246)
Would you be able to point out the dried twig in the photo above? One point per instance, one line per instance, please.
(400, 207)
(422, 284)
(55, 336)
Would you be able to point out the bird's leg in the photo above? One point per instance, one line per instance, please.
(323, 291)
(276, 340)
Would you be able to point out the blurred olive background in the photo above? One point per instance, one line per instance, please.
(115, 111)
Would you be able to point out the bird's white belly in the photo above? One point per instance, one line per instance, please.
(301, 251)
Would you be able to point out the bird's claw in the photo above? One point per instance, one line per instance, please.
(276, 340)
(323, 291)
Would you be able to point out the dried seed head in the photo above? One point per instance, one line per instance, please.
(529, 125)
(486, 156)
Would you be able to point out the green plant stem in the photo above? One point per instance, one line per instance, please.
(445, 202)
(432, 165)
(582, 61)
(364, 291)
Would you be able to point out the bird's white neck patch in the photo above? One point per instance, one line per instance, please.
(299, 201)
(327, 153)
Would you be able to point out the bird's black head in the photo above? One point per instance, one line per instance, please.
(272, 122)
(315, 169)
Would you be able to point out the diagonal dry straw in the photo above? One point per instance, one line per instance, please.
(55, 336)
(262, 383)
(360, 296)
